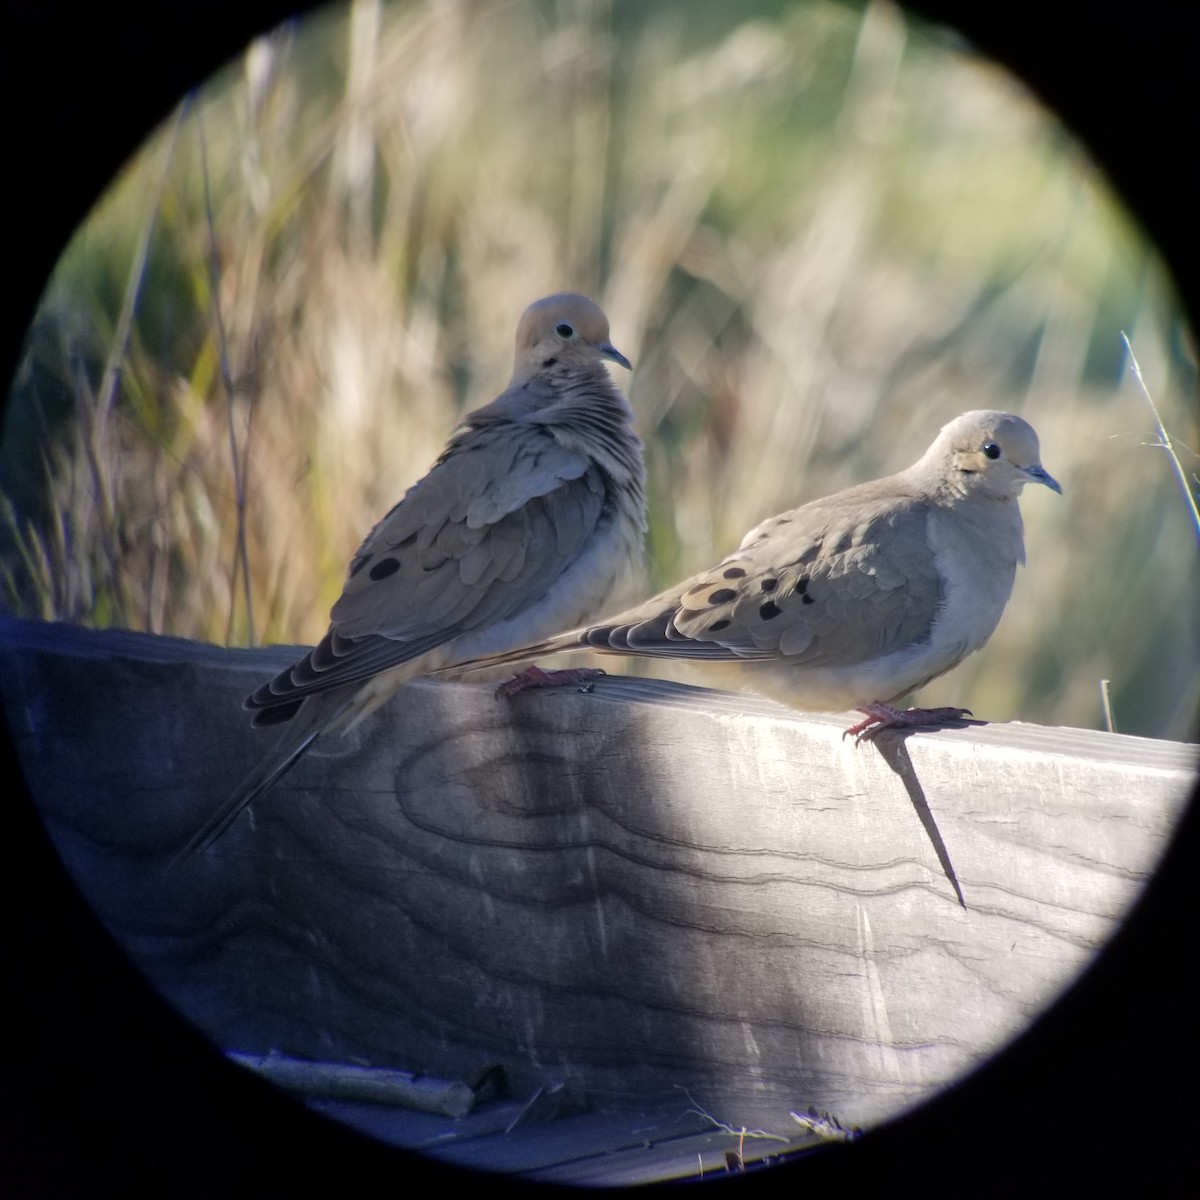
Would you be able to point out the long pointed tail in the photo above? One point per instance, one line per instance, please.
(300, 733)
(523, 654)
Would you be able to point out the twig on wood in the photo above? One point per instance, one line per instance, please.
(827, 1128)
(741, 1134)
(341, 1081)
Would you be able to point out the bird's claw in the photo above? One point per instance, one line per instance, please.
(883, 716)
(536, 677)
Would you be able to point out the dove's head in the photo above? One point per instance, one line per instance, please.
(989, 453)
(561, 333)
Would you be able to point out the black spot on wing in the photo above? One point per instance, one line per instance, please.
(722, 596)
(383, 568)
(769, 610)
(733, 572)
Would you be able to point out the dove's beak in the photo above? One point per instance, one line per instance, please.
(611, 352)
(1039, 474)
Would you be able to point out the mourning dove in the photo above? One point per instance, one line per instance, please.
(853, 601)
(524, 526)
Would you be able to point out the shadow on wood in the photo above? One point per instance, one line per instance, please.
(894, 752)
(634, 890)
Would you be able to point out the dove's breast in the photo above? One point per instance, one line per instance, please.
(976, 551)
(606, 566)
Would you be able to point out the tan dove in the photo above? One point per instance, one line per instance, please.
(853, 601)
(524, 526)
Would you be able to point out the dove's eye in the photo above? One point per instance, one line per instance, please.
(564, 330)
(991, 450)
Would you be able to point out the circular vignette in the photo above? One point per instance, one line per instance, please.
(109, 1092)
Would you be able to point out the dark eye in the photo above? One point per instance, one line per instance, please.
(991, 450)
(564, 330)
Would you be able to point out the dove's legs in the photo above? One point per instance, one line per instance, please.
(884, 716)
(535, 677)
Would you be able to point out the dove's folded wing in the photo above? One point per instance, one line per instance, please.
(463, 550)
(817, 586)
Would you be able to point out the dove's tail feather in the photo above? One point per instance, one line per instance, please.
(309, 723)
(522, 654)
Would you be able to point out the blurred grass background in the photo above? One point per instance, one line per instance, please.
(820, 231)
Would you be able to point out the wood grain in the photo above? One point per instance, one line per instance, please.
(638, 889)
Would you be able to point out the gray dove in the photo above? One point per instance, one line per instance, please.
(524, 526)
(853, 601)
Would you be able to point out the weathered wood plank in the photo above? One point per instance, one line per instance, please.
(640, 888)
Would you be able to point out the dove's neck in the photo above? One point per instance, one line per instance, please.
(934, 475)
(591, 417)
(988, 518)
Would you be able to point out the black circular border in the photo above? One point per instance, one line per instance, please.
(107, 1092)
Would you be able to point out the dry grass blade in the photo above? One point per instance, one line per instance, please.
(1106, 703)
(1164, 438)
(241, 559)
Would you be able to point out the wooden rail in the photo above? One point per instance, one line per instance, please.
(633, 890)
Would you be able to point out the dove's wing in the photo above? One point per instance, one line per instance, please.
(824, 585)
(504, 513)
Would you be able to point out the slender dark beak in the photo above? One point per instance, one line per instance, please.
(1039, 474)
(610, 351)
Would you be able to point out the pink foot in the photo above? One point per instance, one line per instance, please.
(535, 677)
(884, 716)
